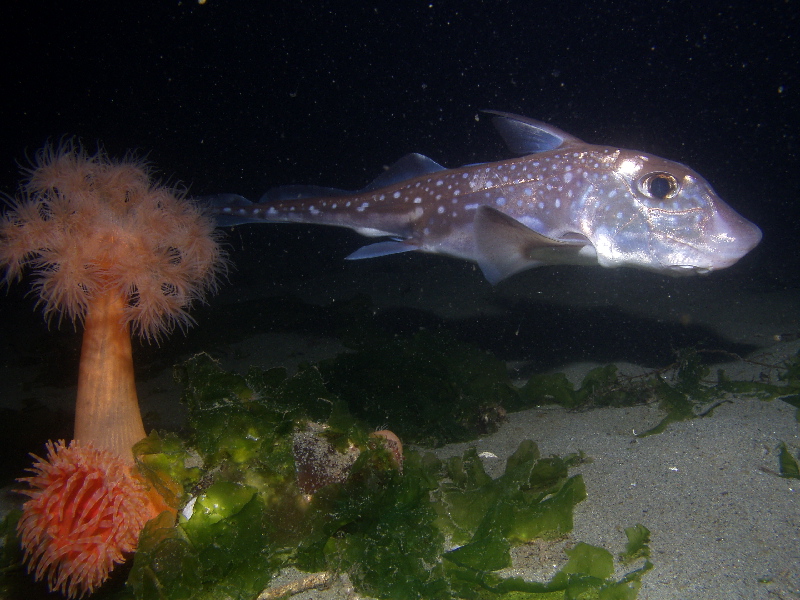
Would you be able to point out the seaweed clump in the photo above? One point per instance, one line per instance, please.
(684, 389)
(435, 529)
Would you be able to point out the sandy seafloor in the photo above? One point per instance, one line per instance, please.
(723, 524)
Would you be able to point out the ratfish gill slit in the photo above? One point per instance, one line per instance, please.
(562, 202)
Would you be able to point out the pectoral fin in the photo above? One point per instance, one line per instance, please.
(505, 246)
(382, 249)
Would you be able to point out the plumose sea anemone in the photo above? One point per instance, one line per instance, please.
(112, 249)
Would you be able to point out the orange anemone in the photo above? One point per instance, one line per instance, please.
(113, 249)
(85, 512)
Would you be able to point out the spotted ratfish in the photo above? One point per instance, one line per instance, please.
(563, 202)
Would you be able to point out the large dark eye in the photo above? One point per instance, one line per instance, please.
(659, 185)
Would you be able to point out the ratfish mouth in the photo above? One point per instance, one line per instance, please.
(729, 240)
(689, 270)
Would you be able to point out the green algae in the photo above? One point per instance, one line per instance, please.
(683, 391)
(638, 544)
(789, 467)
(437, 529)
(432, 389)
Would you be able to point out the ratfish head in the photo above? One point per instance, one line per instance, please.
(663, 216)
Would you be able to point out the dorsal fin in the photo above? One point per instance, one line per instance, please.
(526, 136)
(410, 166)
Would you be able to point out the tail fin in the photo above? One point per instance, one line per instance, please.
(228, 209)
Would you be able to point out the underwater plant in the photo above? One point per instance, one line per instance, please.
(112, 249)
(436, 530)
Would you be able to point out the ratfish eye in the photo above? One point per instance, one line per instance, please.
(659, 185)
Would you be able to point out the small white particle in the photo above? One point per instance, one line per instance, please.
(188, 510)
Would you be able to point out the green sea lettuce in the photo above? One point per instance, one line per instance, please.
(435, 529)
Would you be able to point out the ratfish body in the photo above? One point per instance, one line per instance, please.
(563, 202)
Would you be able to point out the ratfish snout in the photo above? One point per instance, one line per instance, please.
(732, 237)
